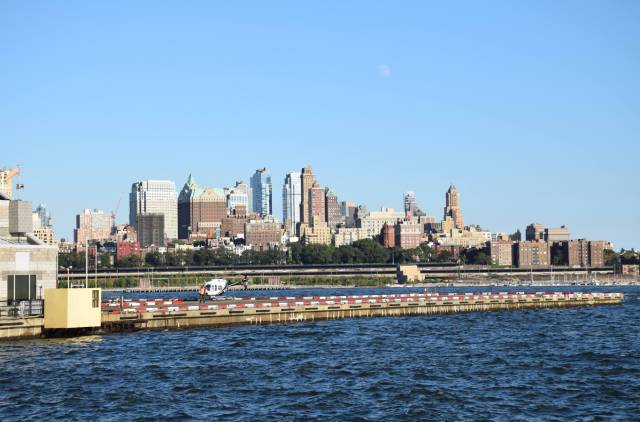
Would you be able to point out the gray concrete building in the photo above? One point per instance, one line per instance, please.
(348, 211)
(151, 229)
(27, 265)
(332, 209)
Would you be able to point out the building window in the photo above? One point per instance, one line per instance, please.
(96, 298)
(21, 287)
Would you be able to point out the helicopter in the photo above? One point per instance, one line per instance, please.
(218, 286)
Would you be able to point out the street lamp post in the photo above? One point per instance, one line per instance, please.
(95, 269)
(86, 263)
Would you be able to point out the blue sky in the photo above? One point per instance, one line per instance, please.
(532, 107)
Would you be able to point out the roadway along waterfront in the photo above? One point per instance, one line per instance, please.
(444, 270)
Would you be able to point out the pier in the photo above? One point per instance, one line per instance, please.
(121, 315)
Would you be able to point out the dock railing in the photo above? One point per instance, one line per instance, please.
(21, 308)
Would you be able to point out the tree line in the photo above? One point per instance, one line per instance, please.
(366, 251)
(624, 257)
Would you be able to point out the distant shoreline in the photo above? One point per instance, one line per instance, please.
(262, 287)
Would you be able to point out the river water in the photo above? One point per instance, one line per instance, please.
(580, 363)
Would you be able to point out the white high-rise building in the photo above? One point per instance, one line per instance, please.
(291, 199)
(262, 190)
(238, 195)
(244, 188)
(155, 197)
(373, 221)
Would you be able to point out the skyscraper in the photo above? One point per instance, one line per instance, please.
(42, 217)
(348, 210)
(200, 210)
(262, 191)
(155, 197)
(332, 209)
(307, 180)
(452, 208)
(238, 196)
(317, 204)
(291, 198)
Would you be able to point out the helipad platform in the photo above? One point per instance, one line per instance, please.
(119, 315)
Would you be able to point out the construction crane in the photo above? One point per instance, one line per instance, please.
(113, 213)
(6, 176)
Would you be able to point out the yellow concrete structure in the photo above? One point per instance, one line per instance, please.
(317, 233)
(72, 308)
(409, 274)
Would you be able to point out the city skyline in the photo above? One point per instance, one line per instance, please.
(543, 128)
(277, 213)
(408, 210)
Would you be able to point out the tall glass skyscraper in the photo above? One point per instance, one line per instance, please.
(262, 192)
(41, 217)
(291, 198)
(155, 197)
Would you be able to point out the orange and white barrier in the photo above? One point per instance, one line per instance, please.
(179, 305)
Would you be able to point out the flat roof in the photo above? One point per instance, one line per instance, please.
(13, 242)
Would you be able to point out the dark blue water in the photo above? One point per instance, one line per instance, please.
(581, 363)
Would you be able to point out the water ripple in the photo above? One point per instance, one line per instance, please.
(581, 363)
